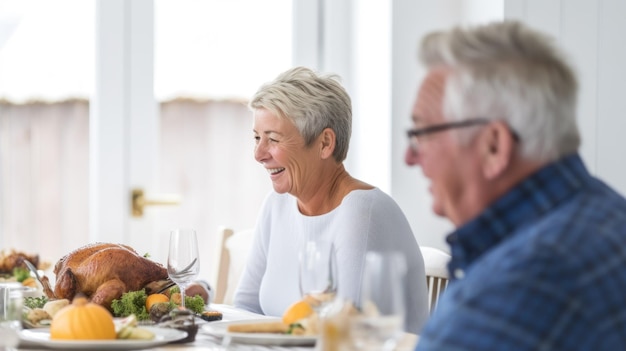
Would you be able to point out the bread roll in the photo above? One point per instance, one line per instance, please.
(259, 327)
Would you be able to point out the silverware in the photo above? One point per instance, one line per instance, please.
(33, 270)
(184, 270)
(43, 281)
(164, 288)
(188, 268)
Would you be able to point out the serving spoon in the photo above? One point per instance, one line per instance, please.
(43, 281)
(169, 283)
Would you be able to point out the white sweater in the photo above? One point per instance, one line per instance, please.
(366, 220)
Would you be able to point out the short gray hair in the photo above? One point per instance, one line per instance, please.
(507, 71)
(312, 102)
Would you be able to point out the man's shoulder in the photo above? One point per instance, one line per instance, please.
(592, 214)
(557, 274)
(565, 245)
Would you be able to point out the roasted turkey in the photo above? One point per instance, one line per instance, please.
(9, 260)
(103, 272)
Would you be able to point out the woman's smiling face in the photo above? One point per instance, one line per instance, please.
(280, 148)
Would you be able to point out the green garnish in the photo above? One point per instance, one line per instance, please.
(35, 302)
(294, 326)
(194, 303)
(21, 274)
(132, 302)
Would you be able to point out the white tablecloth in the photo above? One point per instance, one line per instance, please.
(206, 342)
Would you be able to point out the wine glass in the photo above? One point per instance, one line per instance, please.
(380, 325)
(318, 273)
(183, 262)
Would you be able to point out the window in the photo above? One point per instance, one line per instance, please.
(46, 75)
(210, 56)
(219, 49)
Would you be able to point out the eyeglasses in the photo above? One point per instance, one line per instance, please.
(414, 134)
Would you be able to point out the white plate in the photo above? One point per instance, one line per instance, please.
(219, 329)
(41, 337)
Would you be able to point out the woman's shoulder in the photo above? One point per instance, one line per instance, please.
(372, 195)
(376, 210)
(374, 200)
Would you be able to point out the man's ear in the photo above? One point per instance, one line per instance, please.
(327, 142)
(497, 146)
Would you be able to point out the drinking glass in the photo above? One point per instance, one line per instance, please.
(380, 325)
(10, 314)
(183, 262)
(318, 273)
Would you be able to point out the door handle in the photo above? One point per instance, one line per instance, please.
(139, 200)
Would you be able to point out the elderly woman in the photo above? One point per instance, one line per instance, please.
(302, 127)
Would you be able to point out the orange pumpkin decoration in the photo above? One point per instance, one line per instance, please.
(82, 320)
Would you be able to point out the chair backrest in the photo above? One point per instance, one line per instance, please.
(222, 263)
(436, 266)
(231, 261)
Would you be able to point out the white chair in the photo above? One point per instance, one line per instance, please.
(436, 266)
(231, 261)
(221, 263)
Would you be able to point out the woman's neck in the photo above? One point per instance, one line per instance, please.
(329, 192)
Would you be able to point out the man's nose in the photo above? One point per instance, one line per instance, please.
(411, 156)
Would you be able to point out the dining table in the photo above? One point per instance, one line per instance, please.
(205, 340)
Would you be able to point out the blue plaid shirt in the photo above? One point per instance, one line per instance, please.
(542, 268)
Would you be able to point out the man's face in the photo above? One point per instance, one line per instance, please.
(451, 167)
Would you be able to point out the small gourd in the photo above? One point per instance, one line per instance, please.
(82, 320)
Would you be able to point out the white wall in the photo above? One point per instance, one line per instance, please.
(372, 45)
(410, 21)
(591, 34)
(351, 39)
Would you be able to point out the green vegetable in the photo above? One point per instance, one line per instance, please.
(35, 302)
(132, 302)
(294, 326)
(195, 303)
(21, 274)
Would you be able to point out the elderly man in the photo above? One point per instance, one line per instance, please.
(539, 250)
